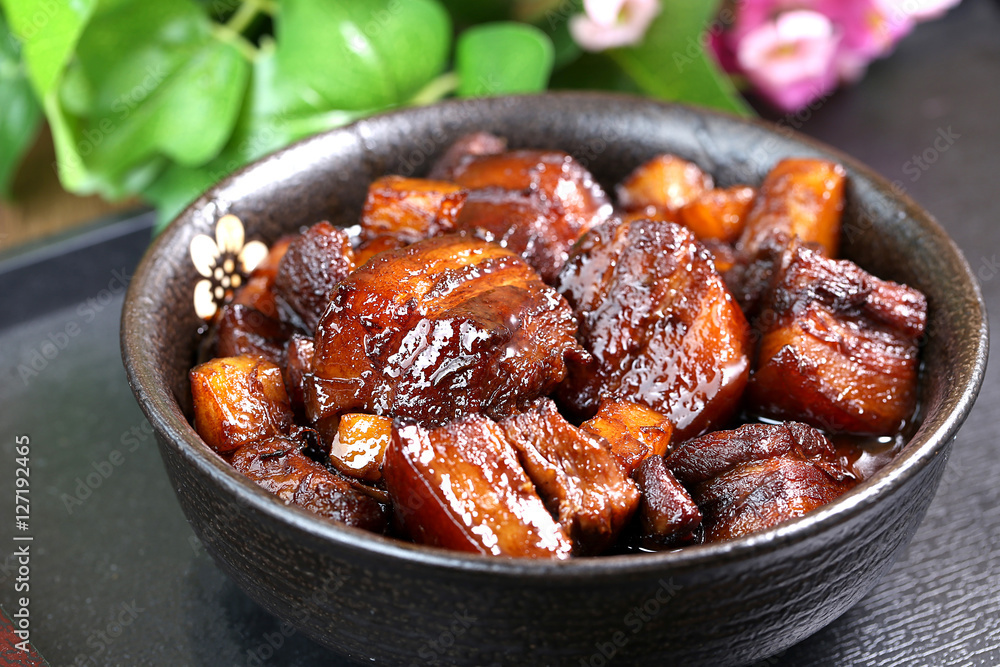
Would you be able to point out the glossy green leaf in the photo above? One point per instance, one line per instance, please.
(671, 62)
(269, 120)
(48, 31)
(360, 54)
(503, 58)
(177, 93)
(20, 115)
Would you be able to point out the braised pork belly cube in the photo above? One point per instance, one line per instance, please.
(410, 209)
(633, 431)
(358, 449)
(800, 198)
(279, 466)
(701, 459)
(315, 262)
(446, 327)
(724, 257)
(760, 495)
(238, 400)
(242, 330)
(719, 214)
(258, 291)
(553, 177)
(659, 323)
(664, 182)
(298, 363)
(758, 475)
(575, 474)
(839, 347)
(668, 516)
(477, 143)
(461, 486)
(368, 248)
(524, 224)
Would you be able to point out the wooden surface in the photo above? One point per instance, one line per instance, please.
(40, 207)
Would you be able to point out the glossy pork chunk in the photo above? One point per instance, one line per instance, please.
(315, 262)
(461, 486)
(278, 465)
(590, 495)
(238, 400)
(633, 431)
(443, 328)
(554, 178)
(838, 348)
(800, 198)
(668, 516)
(410, 209)
(665, 182)
(758, 476)
(661, 326)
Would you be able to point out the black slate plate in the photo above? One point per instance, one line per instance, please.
(122, 581)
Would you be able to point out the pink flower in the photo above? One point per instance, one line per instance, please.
(791, 60)
(611, 23)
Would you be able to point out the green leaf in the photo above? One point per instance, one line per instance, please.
(351, 54)
(48, 31)
(20, 114)
(671, 63)
(269, 120)
(161, 84)
(503, 58)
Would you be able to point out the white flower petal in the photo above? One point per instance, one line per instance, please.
(252, 254)
(229, 233)
(204, 253)
(204, 303)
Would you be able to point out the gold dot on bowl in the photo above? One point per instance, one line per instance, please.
(225, 281)
(219, 292)
(229, 265)
(236, 280)
(219, 273)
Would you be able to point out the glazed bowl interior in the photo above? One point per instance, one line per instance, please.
(326, 177)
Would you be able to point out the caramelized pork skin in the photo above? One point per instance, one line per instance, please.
(477, 143)
(762, 494)
(278, 465)
(523, 223)
(838, 348)
(439, 329)
(700, 459)
(801, 198)
(665, 182)
(410, 209)
(553, 177)
(461, 486)
(633, 431)
(661, 326)
(758, 476)
(298, 364)
(668, 516)
(315, 262)
(238, 400)
(575, 474)
(719, 214)
(242, 330)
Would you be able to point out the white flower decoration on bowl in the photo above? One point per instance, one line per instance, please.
(224, 264)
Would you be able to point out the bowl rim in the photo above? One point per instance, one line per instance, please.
(165, 415)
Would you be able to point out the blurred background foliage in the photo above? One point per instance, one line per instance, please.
(162, 98)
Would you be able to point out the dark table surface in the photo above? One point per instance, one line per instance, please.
(119, 579)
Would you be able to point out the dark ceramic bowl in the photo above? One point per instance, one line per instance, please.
(374, 598)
